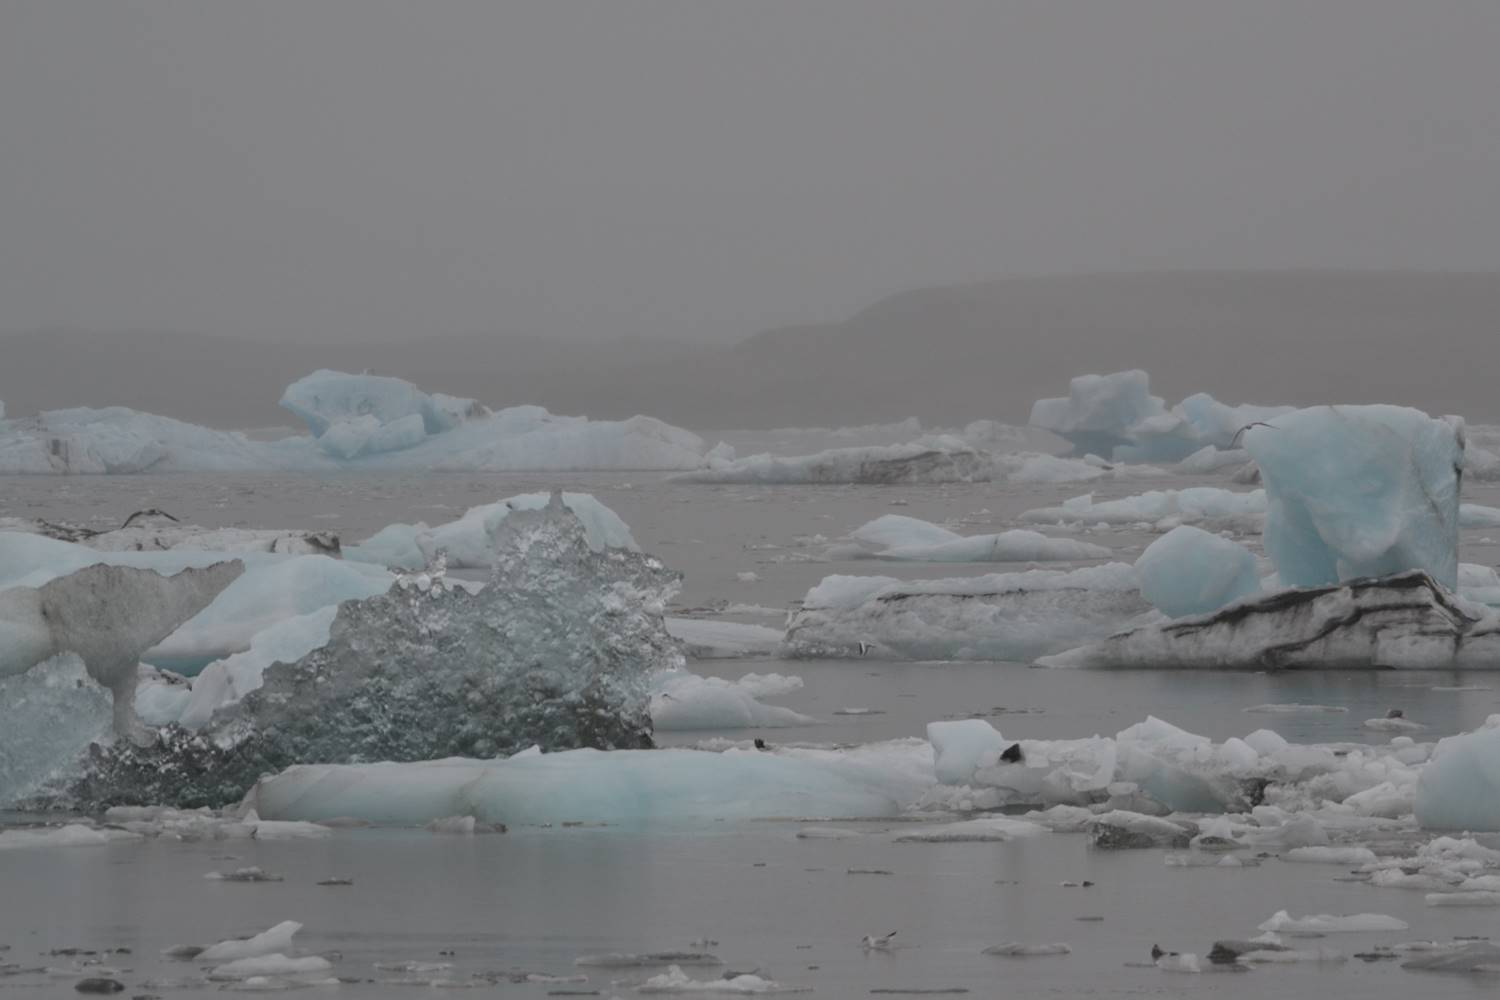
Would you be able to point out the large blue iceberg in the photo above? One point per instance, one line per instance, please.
(1116, 416)
(1360, 491)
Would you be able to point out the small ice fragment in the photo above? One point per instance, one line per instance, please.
(1463, 899)
(674, 980)
(1015, 949)
(626, 960)
(1324, 923)
(266, 942)
(274, 964)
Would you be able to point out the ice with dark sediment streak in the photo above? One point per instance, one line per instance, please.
(1406, 621)
(999, 616)
(557, 651)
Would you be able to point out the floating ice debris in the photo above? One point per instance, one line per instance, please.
(266, 942)
(1160, 510)
(1003, 616)
(674, 980)
(1120, 829)
(859, 711)
(274, 964)
(413, 966)
(1360, 491)
(989, 829)
(461, 826)
(685, 701)
(72, 835)
(907, 539)
(1405, 621)
(1185, 962)
(1473, 515)
(944, 459)
(629, 960)
(878, 942)
(253, 873)
(1189, 571)
(1394, 722)
(1463, 898)
(1479, 956)
(1331, 855)
(705, 639)
(1289, 956)
(1460, 788)
(466, 541)
(1229, 951)
(827, 833)
(1015, 949)
(1116, 415)
(1284, 923)
(1294, 708)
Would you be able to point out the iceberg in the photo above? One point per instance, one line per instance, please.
(1460, 788)
(356, 421)
(1099, 410)
(1405, 622)
(999, 616)
(943, 459)
(466, 542)
(1189, 571)
(1473, 515)
(107, 616)
(1116, 416)
(908, 539)
(1360, 491)
(557, 651)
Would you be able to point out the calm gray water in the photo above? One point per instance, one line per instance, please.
(534, 900)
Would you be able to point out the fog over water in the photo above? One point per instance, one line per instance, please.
(479, 186)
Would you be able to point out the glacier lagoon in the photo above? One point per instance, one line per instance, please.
(747, 552)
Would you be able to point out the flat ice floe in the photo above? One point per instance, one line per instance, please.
(927, 460)
(899, 538)
(1160, 509)
(684, 701)
(999, 616)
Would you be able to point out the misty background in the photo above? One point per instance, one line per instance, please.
(732, 214)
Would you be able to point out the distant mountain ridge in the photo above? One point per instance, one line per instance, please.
(947, 355)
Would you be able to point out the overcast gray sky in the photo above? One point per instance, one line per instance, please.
(703, 170)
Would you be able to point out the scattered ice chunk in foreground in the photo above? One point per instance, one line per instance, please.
(1331, 855)
(1459, 789)
(987, 829)
(1189, 571)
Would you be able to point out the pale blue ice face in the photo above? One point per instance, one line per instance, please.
(1189, 571)
(1358, 491)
